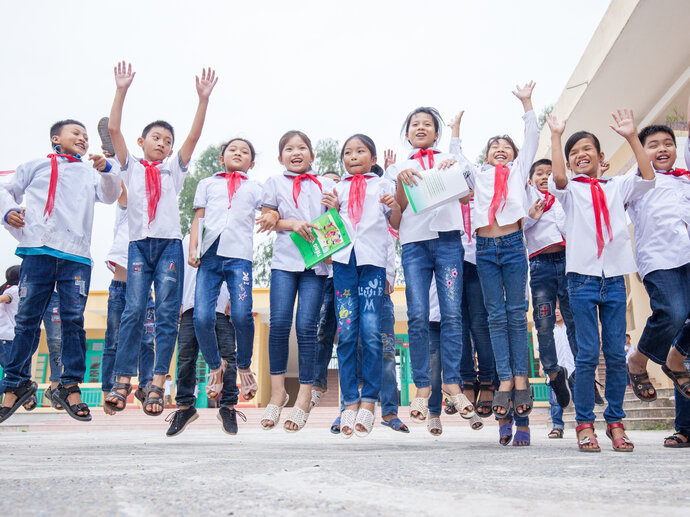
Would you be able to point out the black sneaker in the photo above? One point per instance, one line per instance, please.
(180, 419)
(228, 417)
(560, 388)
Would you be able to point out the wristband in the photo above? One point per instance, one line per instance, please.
(108, 167)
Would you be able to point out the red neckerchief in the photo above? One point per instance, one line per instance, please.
(678, 173)
(233, 180)
(600, 208)
(549, 198)
(50, 202)
(467, 219)
(501, 173)
(419, 156)
(297, 184)
(393, 232)
(355, 199)
(5, 173)
(153, 187)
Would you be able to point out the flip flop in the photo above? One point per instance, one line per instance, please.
(505, 431)
(521, 439)
(396, 424)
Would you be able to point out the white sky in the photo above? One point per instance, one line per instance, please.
(330, 69)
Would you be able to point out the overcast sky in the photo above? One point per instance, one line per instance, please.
(330, 69)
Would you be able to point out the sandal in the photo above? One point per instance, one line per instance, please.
(24, 392)
(365, 418)
(297, 416)
(461, 403)
(471, 386)
(119, 396)
(476, 423)
(640, 382)
(505, 431)
(396, 424)
(556, 433)
(587, 440)
(421, 406)
(501, 400)
(560, 388)
(677, 442)
(684, 388)
(484, 405)
(60, 395)
(152, 400)
(32, 403)
(140, 394)
(215, 381)
(48, 395)
(248, 385)
(622, 440)
(523, 398)
(315, 398)
(347, 421)
(434, 425)
(521, 438)
(272, 413)
(335, 426)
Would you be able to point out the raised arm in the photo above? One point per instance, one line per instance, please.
(204, 87)
(123, 80)
(557, 159)
(624, 125)
(525, 95)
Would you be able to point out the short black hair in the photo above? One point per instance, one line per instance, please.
(543, 161)
(659, 128)
(57, 127)
(495, 139)
(251, 147)
(433, 112)
(158, 123)
(576, 137)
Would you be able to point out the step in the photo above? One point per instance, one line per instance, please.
(667, 393)
(639, 424)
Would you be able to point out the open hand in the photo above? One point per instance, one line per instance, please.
(407, 176)
(604, 166)
(537, 209)
(330, 200)
(555, 126)
(389, 158)
(123, 75)
(624, 123)
(267, 222)
(525, 92)
(455, 123)
(446, 164)
(204, 86)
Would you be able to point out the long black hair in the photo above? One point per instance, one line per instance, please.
(369, 144)
(12, 277)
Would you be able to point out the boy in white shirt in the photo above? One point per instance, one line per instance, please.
(54, 232)
(662, 252)
(597, 258)
(155, 248)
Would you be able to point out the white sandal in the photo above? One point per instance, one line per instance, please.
(215, 381)
(365, 418)
(272, 413)
(476, 420)
(347, 419)
(248, 385)
(421, 405)
(315, 398)
(297, 416)
(434, 424)
(461, 402)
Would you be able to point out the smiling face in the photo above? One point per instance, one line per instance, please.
(421, 132)
(661, 150)
(237, 157)
(72, 139)
(583, 158)
(157, 144)
(357, 157)
(296, 156)
(500, 151)
(540, 178)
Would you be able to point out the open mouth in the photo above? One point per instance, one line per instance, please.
(584, 162)
(80, 146)
(500, 156)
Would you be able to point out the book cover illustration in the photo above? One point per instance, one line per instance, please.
(330, 236)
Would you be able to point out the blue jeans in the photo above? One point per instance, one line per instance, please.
(587, 294)
(475, 322)
(669, 296)
(502, 268)
(188, 353)
(157, 261)
(116, 305)
(237, 274)
(51, 322)
(444, 257)
(436, 398)
(5, 350)
(358, 295)
(325, 336)
(39, 275)
(285, 286)
(389, 396)
(548, 284)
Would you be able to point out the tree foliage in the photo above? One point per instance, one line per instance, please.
(542, 117)
(327, 159)
(205, 166)
(261, 269)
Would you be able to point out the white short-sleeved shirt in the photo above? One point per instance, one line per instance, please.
(661, 234)
(580, 226)
(69, 227)
(234, 226)
(119, 249)
(481, 179)
(168, 385)
(189, 286)
(370, 238)
(425, 225)
(278, 196)
(563, 352)
(166, 224)
(468, 242)
(8, 311)
(546, 231)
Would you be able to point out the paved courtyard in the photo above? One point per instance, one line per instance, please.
(119, 468)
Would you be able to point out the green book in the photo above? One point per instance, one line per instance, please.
(330, 234)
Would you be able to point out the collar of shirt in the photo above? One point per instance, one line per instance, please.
(293, 174)
(348, 176)
(416, 150)
(244, 174)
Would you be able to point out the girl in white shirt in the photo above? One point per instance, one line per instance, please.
(296, 194)
(366, 204)
(598, 256)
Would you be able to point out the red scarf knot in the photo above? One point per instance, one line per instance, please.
(549, 198)
(233, 180)
(297, 184)
(50, 202)
(355, 200)
(419, 156)
(678, 173)
(153, 187)
(600, 209)
(501, 173)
